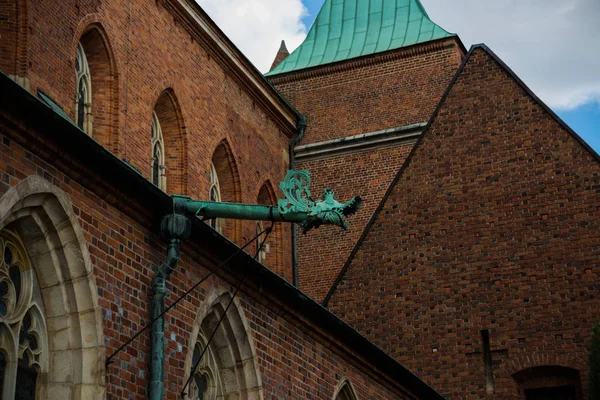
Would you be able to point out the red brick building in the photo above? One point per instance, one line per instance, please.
(474, 260)
(471, 266)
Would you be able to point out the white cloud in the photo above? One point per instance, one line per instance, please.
(258, 26)
(553, 45)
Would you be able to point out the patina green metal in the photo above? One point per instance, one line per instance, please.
(176, 228)
(346, 29)
(297, 206)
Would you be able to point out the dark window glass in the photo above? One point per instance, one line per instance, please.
(15, 276)
(3, 292)
(26, 380)
(2, 371)
(81, 104)
(552, 393)
(202, 384)
(155, 166)
(8, 256)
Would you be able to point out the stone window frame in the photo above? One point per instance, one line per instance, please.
(158, 146)
(43, 217)
(231, 357)
(83, 83)
(345, 391)
(23, 302)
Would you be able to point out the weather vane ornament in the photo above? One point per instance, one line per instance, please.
(295, 187)
(298, 206)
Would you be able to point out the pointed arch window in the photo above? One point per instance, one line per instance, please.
(23, 338)
(346, 393)
(214, 194)
(159, 176)
(83, 97)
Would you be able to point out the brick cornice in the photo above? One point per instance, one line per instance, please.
(360, 62)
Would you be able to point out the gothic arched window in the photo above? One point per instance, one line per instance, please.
(346, 393)
(159, 177)
(23, 340)
(214, 194)
(226, 367)
(83, 98)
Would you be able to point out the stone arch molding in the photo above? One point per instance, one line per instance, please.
(230, 364)
(345, 391)
(41, 215)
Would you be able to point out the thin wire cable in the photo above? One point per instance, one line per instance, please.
(109, 359)
(237, 289)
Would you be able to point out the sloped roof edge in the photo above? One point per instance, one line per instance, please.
(157, 203)
(394, 182)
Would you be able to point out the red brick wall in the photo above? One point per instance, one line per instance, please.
(377, 92)
(360, 96)
(13, 37)
(150, 51)
(323, 252)
(494, 225)
(295, 359)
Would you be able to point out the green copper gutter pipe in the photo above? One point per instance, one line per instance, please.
(301, 130)
(209, 210)
(176, 228)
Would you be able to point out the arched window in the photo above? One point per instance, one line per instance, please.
(23, 338)
(168, 155)
(345, 393)
(224, 184)
(214, 194)
(83, 98)
(228, 367)
(159, 176)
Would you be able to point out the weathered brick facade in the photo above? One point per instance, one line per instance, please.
(201, 103)
(384, 91)
(491, 229)
(86, 211)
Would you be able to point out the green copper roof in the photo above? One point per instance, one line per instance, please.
(347, 29)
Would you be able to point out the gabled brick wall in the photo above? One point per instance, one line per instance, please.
(381, 91)
(378, 92)
(493, 225)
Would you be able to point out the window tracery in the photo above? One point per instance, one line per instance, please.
(83, 97)
(214, 194)
(159, 177)
(23, 341)
(204, 383)
(346, 393)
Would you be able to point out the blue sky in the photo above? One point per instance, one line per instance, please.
(583, 119)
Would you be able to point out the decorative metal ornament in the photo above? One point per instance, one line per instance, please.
(297, 206)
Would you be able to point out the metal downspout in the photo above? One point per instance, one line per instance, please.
(176, 228)
(301, 129)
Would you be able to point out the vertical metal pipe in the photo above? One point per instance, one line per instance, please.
(159, 290)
